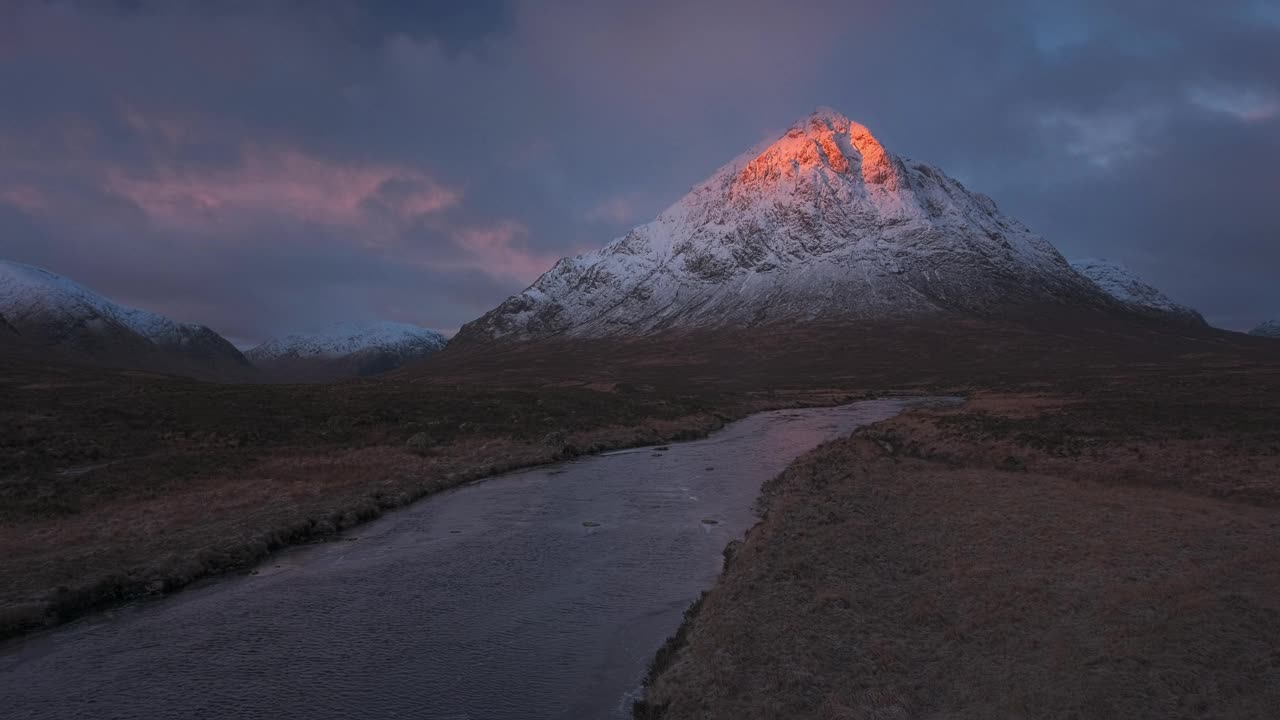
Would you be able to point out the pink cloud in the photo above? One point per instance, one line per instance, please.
(499, 250)
(24, 197)
(390, 208)
(281, 181)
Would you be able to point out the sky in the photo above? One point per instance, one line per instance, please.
(270, 166)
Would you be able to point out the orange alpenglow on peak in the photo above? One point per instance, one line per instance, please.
(828, 139)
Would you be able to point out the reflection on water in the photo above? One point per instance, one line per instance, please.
(539, 594)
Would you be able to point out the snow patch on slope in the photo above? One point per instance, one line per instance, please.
(29, 294)
(1124, 285)
(1270, 328)
(343, 339)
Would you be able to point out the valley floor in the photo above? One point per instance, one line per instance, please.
(120, 485)
(116, 485)
(1093, 534)
(1105, 548)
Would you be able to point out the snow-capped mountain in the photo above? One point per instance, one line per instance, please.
(1124, 285)
(50, 311)
(1270, 328)
(345, 350)
(823, 223)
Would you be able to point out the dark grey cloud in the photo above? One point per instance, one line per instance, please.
(266, 166)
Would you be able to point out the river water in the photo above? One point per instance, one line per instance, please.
(538, 594)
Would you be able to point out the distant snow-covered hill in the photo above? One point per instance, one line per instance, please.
(824, 223)
(1124, 285)
(345, 350)
(71, 322)
(1270, 328)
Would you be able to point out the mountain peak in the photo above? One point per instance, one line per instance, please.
(826, 141)
(824, 117)
(822, 223)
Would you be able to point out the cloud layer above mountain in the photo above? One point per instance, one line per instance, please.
(264, 167)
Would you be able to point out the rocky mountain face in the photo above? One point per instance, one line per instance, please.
(7, 330)
(824, 223)
(1125, 286)
(345, 351)
(1270, 328)
(66, 321)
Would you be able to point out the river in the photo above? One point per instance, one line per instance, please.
(542, 593)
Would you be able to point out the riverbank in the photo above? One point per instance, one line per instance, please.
(536, 594)
(1091, 549)
(117, 486)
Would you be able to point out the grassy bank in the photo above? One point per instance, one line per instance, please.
(115, 486)
(1088, 549)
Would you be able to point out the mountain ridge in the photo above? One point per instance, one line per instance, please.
(52, 312)
(822, 223)
(1121, 283)
(345, 350)
(1269, 328)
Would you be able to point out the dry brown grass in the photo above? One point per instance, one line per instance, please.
(116, 485)
(57, 567)
(1123, 567)
(119, 484)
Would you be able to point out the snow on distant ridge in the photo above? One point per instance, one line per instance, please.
(341, 339)
(32, 294)
(1121, 283)
(1270, 328)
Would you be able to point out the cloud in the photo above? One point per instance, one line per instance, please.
(281, 181)
(498, 250)
(617, 210)
(1106, 138)
(1244, 104)
(265, 166)
(24, 197)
